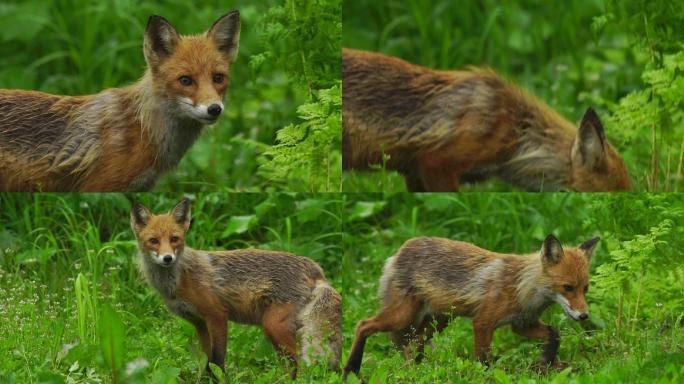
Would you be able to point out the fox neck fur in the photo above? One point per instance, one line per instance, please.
(533, 289)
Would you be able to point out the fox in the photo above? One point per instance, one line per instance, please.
(442, 128)
(431, 280)
(288, 296)
(121, 139)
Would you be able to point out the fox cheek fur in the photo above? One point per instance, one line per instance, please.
(568, 275)
(161, 242)
(198, 81)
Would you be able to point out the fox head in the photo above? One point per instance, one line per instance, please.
(193, 71)
(595, 165)
(161, 238)
(568, 273)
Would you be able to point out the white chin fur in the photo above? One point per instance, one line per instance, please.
(575, 315)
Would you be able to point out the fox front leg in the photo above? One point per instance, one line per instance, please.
(484, 331)
(551, 339)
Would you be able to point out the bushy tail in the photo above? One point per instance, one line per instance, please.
(320, 333)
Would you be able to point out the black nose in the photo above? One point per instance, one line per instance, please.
(583, 316)
(214, 110)
(167, 258)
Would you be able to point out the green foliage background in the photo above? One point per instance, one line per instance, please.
(77, 310)
(624, 58)
(282, 123)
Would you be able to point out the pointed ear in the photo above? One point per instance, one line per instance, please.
(588, 246)
(140, 216)
(160, 40)
(551, 251)
(181, 213)
(589, 147)
(226, 34)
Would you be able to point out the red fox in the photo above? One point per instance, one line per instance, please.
(120, 139)
(429, 280)
(440, 128)
(287, 295)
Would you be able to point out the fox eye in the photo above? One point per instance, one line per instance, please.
(568, 288)
(174, 239)
(185, 80)
(154, 241)
(218, 78)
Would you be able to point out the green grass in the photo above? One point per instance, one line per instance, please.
(82, 47)
(76, 309)
(609, 55)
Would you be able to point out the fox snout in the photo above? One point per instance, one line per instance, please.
(165, 259)
(578, 311)
(205, 113)
(215, 110)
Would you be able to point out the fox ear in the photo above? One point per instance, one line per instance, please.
(160, 39)
(551, 251)
(181, 213)
(226, 34)
(140, 216)
(589, 147)
(589, 246)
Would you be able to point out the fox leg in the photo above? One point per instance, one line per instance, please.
(484, 331)
(414, 183)
(545, 332)
(217, 328)
(398, 315)
(279, 327)
(202, 333)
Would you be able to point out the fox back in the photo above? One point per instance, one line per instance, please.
(462, 279)
(443, 127)
(124, 138)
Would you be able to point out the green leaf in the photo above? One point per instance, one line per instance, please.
(166, 375)
(240, 224)
(217, 372)
(112, 340)
(308, 210)
(365, 209)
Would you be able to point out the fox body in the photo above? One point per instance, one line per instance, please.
(443, 127)
(430, 280)
(287, 295)
(124, 138)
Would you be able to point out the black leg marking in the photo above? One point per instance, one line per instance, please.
(551, 346)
